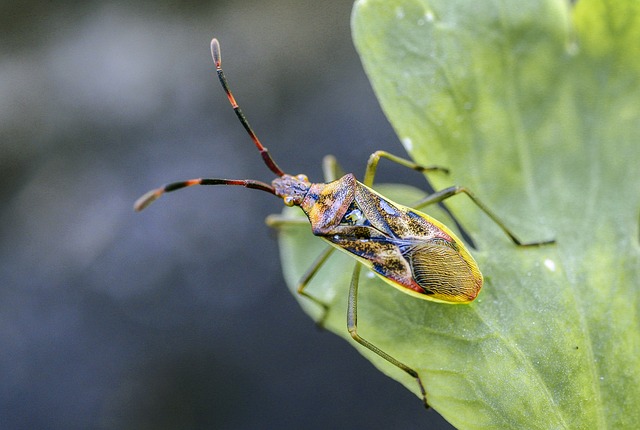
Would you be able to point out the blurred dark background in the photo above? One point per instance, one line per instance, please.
(177, 317)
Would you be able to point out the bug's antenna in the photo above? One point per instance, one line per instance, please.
(264, 152)
(153, 195)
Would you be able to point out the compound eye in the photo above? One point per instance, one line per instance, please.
(302, 178)
(288, 200)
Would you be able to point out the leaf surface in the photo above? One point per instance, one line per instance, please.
(535, 107)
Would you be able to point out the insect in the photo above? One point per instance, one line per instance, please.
(408, 249)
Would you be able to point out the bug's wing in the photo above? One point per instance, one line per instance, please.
(438, 263)
(429, 269)
(397, 221)
(438, 267)
(377, 252)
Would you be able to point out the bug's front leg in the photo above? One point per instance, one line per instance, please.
(278, 221)
(374, 159)
(352, 326)
(306, 278)
(331, 168)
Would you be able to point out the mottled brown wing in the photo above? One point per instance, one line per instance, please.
(441, 270)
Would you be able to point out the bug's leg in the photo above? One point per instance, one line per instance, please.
(331, 168)
(374, 159)
(306, 278)
(442, 195)
(372, 166)
(352, 326)
(277, 221)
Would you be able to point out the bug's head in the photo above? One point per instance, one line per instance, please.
(291, 189)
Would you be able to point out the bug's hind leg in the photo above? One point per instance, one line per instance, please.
(352, 326)
(442, 195)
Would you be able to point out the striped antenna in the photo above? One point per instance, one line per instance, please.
(154, 194)
(264, 152)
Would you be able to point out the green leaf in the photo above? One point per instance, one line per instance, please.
(535, 106)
